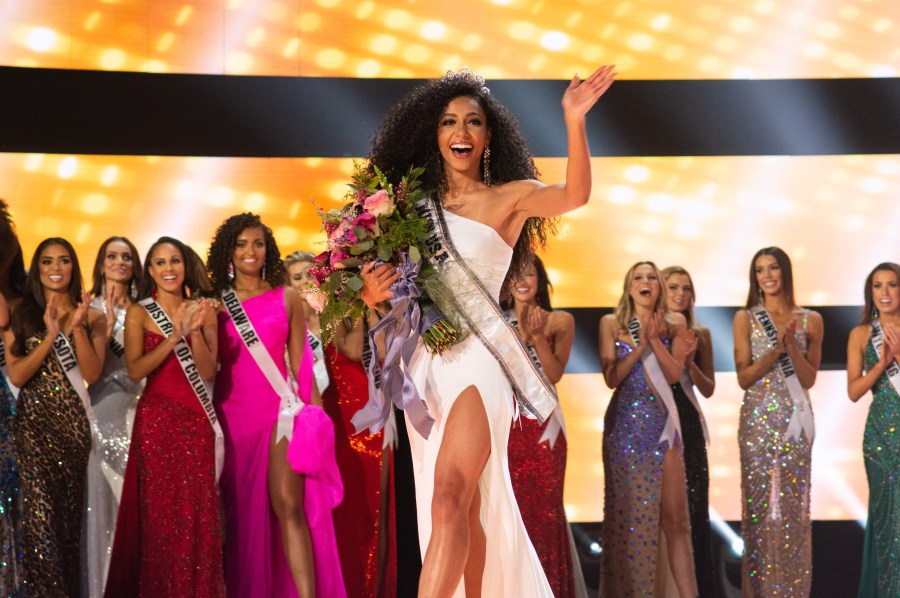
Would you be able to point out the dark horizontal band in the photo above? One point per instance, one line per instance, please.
(838, 321)
(97, 112)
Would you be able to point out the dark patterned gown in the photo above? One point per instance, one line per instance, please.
(11, 573)
(53, 441)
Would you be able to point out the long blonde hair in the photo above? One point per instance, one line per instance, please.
(688, 313)
(625, 309)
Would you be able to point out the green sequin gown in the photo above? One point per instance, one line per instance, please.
(881, 451)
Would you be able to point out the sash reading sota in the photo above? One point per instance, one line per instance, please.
(290, 403)
(555, 423)
(802, 418)
(5, 373)
(877, 339)
(198, 385)
(69, 362)
(659, 383)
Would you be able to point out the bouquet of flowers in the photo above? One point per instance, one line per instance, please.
(378, 223)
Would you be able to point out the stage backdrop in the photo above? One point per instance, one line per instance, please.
(734, 125)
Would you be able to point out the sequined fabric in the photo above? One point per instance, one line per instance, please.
(633, 469)
(356, 519)
(537, 474)
(168, 536)
(775, 485)
(696, 473)
(881, 451)
(52, 442)
(11, 573)
(113, 400)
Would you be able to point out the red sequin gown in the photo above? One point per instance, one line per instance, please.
(538, 473)
(356, 519)
(168, 537)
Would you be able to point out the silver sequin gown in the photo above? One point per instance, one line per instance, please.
(775, 485)
(114, 400)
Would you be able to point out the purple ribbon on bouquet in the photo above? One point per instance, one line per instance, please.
(401, 330)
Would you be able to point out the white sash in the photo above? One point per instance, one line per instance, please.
(290, 404)
(65, 354)
(892, 370)
(536, 396)
(659, 383)
(320, 370)
(3, 370)
(186, 361)
(802, 418)
(687, 386)
(555, 423)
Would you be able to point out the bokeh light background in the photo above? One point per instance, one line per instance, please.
(836, 215)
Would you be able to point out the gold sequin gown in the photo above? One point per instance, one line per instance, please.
(775, 484)
(53, 440)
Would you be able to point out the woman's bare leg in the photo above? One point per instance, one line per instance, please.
(676, 524)
(465, 448)
(477, 549)
(286, 493)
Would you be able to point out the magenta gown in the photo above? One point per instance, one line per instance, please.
(255, 564)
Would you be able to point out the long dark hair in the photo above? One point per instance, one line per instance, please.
(408, 136)
(544, 286)
(221, 251)
(869, 310)
(191, 284)
(28, 318)
(136, 270)
(12, 262)
(787, 277)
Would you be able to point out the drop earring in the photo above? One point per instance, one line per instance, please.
(486, 165)
(231, 272)
(262, 273)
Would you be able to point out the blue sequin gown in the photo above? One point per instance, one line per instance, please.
(775, 485)
(11, 573)
(881, 451)
(633, 470)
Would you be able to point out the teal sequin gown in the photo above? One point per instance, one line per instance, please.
(881, 451)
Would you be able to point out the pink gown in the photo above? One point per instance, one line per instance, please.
(255, 564)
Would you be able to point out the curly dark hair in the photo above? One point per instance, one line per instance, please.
(408, 136)
(28, 317)
(136, 272)
(194, 276)
(221, 251)
(12, 262)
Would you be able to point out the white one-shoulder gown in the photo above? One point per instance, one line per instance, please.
(512, 567)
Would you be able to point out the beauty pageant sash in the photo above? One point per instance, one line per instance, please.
(65, 354)
(482, 317)
(555, 423)
(186, 361)
(687, 385)
(320, 370)
(5, 372)
(290, 403)
(877, 339)
(802, 418)
(659, 383)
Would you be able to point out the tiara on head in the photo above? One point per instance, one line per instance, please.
(465, 73)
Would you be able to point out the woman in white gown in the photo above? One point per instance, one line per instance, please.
(490, 215)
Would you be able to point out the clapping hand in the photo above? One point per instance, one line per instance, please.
(581, 96)
(80, 312)
(890, 347)
(50, 321)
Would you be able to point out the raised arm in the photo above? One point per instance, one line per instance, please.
(554, 200)
(670, 362)
(21, 368)
(615, 370)
(90, 342)
(806, 366)
(138, 363)
(562, 328)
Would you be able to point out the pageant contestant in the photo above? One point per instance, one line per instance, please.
(12, 288)
(168, 537)
(58, 345)
(642, 351)
(872, 352)
(487, 214)
(360, 521)
(117, 271)
(777, 350)
(537, 453)
(699, 371)
(279, 532)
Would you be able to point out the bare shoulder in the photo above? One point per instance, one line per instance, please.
(561, 318)
(859, 336)
(742, 317)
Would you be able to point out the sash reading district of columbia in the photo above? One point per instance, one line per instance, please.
(659, 384)
(290, 403)
(186, 361)
(892, 370)
(802, 418)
